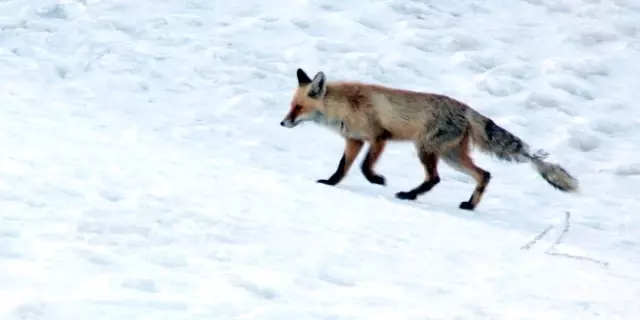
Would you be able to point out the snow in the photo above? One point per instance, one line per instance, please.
(144, 174)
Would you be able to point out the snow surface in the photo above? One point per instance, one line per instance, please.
(144, 174)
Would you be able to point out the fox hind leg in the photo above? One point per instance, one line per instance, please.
(430, 162)
(438, 137)
(351, 150)
(458, 158)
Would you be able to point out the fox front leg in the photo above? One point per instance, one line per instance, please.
(375, 150)
(351, 150)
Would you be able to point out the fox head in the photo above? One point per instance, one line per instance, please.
(307, 104)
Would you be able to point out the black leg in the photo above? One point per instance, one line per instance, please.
(477, 192)
(351, 150)
(430, 163)
(373, 155)
(337, 175)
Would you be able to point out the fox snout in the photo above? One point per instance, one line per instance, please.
(292, 121)
(287, 123)
(295, 117)
(289, 120)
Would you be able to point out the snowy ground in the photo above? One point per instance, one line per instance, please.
(144, 174)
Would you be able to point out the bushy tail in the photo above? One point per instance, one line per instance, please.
(493, 139)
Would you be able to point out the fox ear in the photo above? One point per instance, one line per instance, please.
(303, 78)
(318, 86)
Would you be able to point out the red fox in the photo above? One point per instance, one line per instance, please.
(439, 126)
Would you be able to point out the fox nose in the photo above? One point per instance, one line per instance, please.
(282, 123)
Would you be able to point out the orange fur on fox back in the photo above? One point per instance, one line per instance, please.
(373, 108)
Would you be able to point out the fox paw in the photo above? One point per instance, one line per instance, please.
(376, 179)
(328, 182)
(406, 195)
(466, 205)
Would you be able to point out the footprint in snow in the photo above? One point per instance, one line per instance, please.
(260, 290)
(144, 285)
(538, 100)
(371, 24)
(9, 250)
(331, 7)
(112, 195)
(628, 28)
(335, 278)
(168, 260)
(460, 42)
(589, 38)
(54, 11)
(584, 139)
(475, 61)
(613, 125)
(334, 47)
(499, 86)
(113, 229)
(95, 258)
(573, 87)
(34, 311)
(302, 24)
(422, 44)
(632, 169)
(9, 233)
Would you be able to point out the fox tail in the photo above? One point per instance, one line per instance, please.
(497, 141)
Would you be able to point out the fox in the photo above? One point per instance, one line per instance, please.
(440, 127)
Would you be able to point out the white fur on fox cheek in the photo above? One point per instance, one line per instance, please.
(298, 121)
(313, 116)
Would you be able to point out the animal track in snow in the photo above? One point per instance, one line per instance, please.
(333, 276)
(302, 24)
(7, 234)
(632, 169)
(167, 259)
(107, 228)
(34, 311)
(371, 24)
(500, 86)
(614, 125)
(145, 285)
(537, 100)
(583, 138)
(333, 46)
(96, 258)
(476, 61)
(628, 27)
(460, 41)
(594, 37)
(262, 290)
(572, 86)
(9, 249)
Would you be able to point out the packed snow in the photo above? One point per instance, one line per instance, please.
(144, 173)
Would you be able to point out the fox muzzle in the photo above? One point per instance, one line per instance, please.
(292, 120)
(287, 123)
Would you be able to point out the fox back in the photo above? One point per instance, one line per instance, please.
(365, 110)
